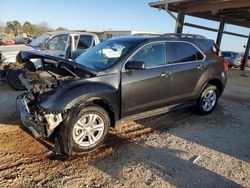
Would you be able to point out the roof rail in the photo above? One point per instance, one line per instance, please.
(183, 35)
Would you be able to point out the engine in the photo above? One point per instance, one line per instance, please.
(42, 81)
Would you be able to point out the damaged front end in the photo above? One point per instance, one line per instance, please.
(40, 85)
(40, 122)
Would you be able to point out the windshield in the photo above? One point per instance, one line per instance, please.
(104, 55)
(39, 40)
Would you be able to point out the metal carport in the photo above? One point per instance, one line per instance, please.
(236, 12)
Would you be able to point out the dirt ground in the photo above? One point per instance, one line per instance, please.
(178, 149)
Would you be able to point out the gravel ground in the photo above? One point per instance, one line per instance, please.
(178, 149)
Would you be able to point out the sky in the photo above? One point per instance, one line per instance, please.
(110, 14)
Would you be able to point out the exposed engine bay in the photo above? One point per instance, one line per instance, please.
(42, 81)
(42, 72)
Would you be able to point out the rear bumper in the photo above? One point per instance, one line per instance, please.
(27, 119)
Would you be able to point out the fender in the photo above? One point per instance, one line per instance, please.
(211, 74)
(74, 93)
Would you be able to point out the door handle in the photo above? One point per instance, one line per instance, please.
(165, 74)
(201, 66)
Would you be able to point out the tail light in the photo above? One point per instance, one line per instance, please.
(225, 66)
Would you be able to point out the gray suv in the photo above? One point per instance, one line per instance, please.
(127, 78)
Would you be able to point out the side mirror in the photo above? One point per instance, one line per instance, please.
(135, 65)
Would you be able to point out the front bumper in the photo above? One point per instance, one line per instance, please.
(28, 120)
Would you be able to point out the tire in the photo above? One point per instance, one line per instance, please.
(76, 137)
(12, 78)
(208, 100)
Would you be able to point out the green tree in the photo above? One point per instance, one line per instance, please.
(29, 28)
(15, 27)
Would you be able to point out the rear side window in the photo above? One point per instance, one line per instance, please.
(152, 55)
(84, 42)
(180, 52)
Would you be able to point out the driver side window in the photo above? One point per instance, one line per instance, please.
(152, 55)
(57, 43)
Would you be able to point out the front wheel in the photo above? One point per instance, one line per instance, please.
(85, 130)
(208, 100)
(12, 78)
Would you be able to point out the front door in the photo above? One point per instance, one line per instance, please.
(147, 89)
(58, 45)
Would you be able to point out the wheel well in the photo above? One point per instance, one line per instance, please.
(217, 83)
(106, 106)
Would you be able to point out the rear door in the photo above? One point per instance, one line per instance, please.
(143, 90)
(188, 64)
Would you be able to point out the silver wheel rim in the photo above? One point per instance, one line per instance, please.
(209, 100)
(88, 130)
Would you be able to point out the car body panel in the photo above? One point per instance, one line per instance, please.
(138, 83)
(77, 92)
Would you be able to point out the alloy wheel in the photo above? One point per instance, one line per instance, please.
(88, 130)
(209, 100)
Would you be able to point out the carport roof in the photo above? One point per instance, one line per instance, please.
(236, 12)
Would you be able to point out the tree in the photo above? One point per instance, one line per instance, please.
(14, 26)
(61, 29)
(2, 27)
(43, 27)
(29, 28)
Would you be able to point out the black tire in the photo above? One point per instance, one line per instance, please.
(12, 78)
(68, 146)
(201, 104)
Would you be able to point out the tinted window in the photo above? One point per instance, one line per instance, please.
(84, 42)
(179, 52)
(152, 55)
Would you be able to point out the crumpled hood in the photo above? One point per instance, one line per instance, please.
(57, 61)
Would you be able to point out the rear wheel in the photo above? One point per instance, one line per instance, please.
(84, 131)
(12, 78)
(208, 100)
